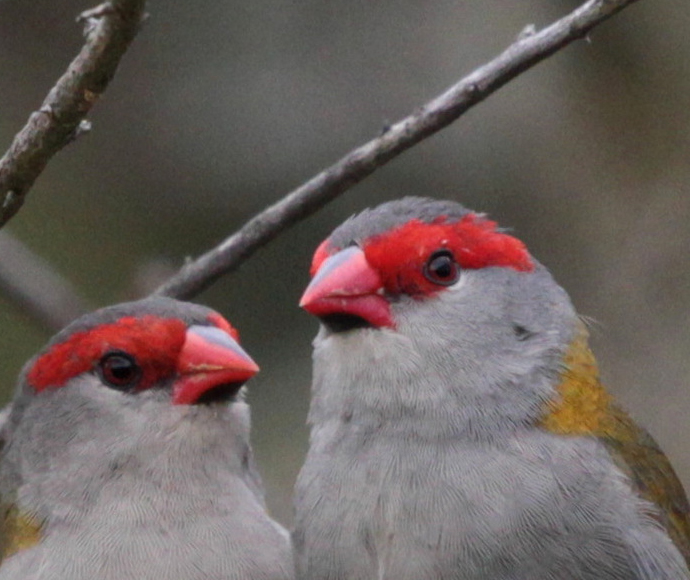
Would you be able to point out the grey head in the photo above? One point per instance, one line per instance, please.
(121, 388)
(430, 310)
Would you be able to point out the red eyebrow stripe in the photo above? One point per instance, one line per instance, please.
(474, 240)
(400, 254)
(155, 343)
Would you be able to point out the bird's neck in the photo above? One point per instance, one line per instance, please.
(381, 384)
(372, 386)
(183, 460)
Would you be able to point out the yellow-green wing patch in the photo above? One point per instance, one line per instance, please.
(585, 408)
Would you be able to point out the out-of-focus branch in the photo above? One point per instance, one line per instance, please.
(32, 284)
(109, 30)
(530, 48)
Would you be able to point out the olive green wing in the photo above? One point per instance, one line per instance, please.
(583, 407)
(637, 454)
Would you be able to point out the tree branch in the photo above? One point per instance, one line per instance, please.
(530, 48)
(40, 291)
(109, 30)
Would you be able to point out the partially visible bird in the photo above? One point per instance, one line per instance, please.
(126, 454)
(459, 429)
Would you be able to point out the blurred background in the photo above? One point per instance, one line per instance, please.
(220, 108)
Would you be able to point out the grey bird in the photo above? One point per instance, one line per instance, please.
(459, 429)
(126, 455)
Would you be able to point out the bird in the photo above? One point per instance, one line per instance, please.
(459, 428)
(125, 454)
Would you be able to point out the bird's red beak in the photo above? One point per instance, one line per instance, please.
(210, 363)
(347, 284)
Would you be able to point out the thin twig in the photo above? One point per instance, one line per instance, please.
(529, 49)
(39, 291)
(109, 30)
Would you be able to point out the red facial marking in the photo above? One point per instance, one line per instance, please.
(154, 343)
(320, 255)
(218, 321)
(400, 255)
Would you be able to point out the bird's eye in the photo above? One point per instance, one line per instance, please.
(442, 269)
(119, 371)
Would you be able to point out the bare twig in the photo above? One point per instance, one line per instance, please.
(529, 49)
(109, 30)
(30, 282)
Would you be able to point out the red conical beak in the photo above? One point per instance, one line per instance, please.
(347, 284)
(210, 362)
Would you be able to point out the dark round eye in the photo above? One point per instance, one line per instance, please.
(441, 268)
(119, 371)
